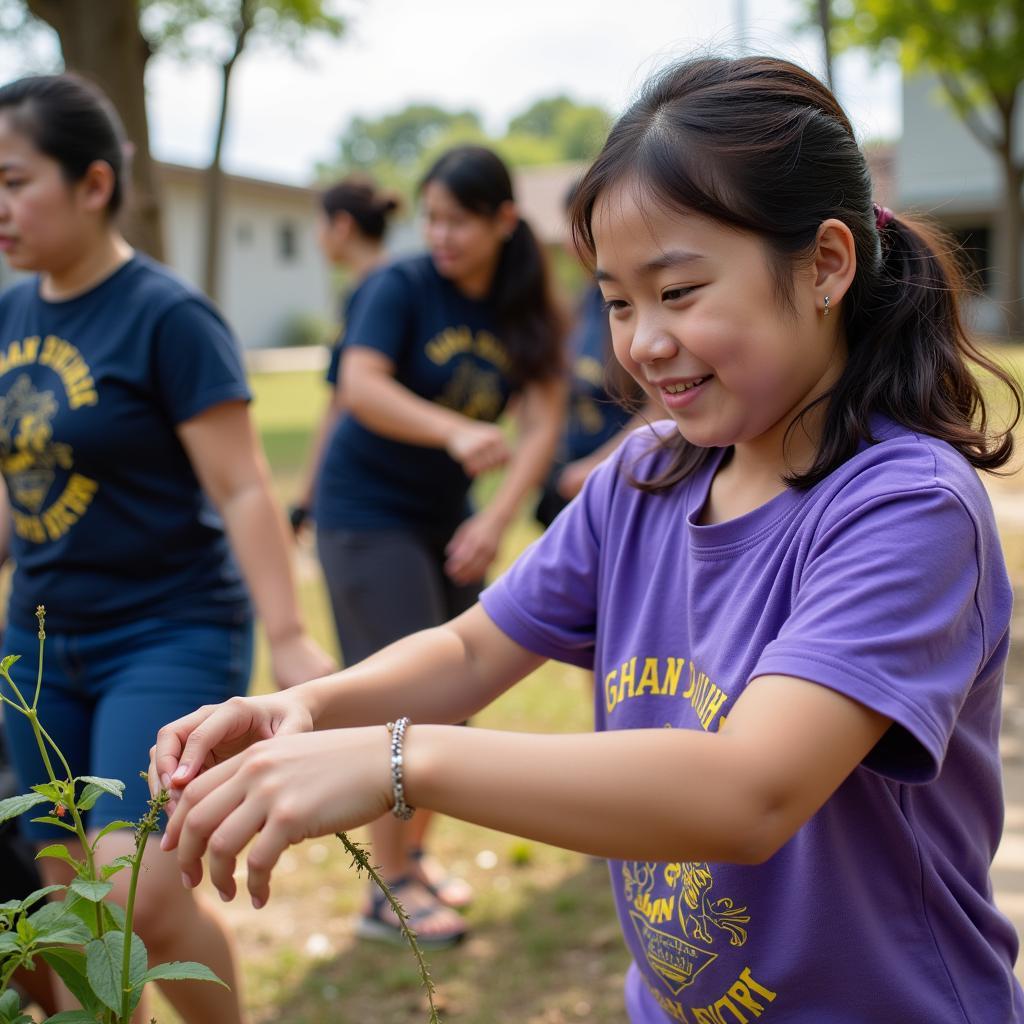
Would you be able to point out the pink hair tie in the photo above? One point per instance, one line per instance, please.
(883, 216)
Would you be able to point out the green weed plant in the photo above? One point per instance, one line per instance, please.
(85, 938)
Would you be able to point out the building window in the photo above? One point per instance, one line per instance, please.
(287, 242)
(974, 247)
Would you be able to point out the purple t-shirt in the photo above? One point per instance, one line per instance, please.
(884, 582)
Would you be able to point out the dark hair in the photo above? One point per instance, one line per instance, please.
(71, 121)
(761, 145)
(530, 322)
(360, 198)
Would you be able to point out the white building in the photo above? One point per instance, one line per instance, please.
(271, 271)
(943, 171)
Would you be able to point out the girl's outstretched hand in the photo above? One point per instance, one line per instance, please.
(295, 788)
(216, 732)
(297, 659)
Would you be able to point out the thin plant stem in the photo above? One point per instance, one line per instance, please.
(41, 616)
(148, 825)
(361, 862)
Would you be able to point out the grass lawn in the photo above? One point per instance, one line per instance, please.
(545, 947)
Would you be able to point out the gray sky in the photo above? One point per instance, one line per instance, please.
(495, 57)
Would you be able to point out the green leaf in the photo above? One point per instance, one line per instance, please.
(8, 942)
(53, 791)
(117, 864)
(59, 852)
(71, 1017)
(113, 827)
(15, 805)
(69, 964)
(113, 914)
(115, 787)
(181, 970)
(94, 892)
(103, 960)
(9, 660)
(55, 923)
(51, 820)
(34, 897)
(88, 797)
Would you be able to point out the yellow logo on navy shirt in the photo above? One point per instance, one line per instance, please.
(473, 390)
(29, 456)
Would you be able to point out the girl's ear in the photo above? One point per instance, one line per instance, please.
(507, 218)
(96, 186)
(835, 262)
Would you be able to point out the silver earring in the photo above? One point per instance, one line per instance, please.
(826, 311)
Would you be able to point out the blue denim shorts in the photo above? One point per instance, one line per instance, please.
(106, 693)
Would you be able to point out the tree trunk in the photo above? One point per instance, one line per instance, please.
(1013, 229)
(1012, 292)
(100, 39)
(214, 173)
(825, 21)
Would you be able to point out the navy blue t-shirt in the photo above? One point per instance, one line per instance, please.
(446, 349)
(594, 415)
(109, 521)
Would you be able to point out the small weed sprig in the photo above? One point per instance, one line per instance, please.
(85, 938)
(361, 862)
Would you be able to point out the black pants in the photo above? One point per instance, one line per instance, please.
(386, 584)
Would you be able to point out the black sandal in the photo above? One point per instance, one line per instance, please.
(376, 925)
(441, 891)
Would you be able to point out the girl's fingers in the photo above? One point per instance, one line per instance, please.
(197, 819)
(273, 839)
(191, 796)
(228, 720)
(229, 839)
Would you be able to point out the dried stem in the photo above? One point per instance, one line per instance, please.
(361, 862)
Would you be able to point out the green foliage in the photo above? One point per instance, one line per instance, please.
(578, 130)
(207, 29)
(402, 138)
(399, 147)
(974, 46)
(87, 941)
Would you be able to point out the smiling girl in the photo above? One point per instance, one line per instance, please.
(793, 601)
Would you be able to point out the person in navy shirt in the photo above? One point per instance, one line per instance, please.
(135, 481)
(604, 406)
(435, 348)
(351, 227)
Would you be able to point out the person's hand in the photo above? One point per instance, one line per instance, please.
(281, 792)
(297, 659)
(572, 478)
(478, 447)
(216, 732)
(472, 548)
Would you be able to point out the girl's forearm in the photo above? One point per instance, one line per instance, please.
(526, 469)
(649, 794)
(431, 676)
(388, 408)
(259, 539)
(540, 426)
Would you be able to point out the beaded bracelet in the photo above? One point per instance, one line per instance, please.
(397, 731)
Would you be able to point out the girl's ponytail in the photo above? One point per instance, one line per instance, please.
(911, 357)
